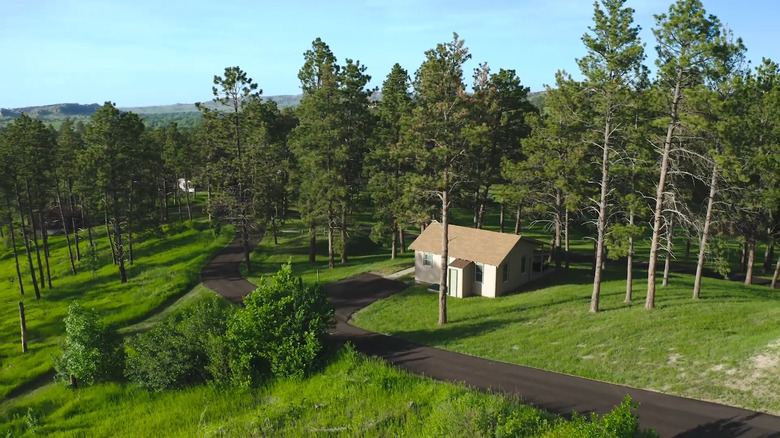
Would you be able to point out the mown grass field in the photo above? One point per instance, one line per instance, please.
(724, 347)
(364, 256)
(167, 265)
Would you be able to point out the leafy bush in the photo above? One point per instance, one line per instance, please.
(621, 422)
(280, 332)
(178, 352)
(91, 350)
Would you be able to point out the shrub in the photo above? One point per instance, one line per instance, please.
(621, 422)
(178, 352)
(280, 332)
(91, 350)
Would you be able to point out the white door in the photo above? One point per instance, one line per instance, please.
(453, 283)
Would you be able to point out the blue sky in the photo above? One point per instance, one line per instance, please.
(142, 52)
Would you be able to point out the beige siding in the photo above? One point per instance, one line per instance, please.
(516, 278)
(493, 284)
(427, 274)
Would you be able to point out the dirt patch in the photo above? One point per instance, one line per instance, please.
(758, 375)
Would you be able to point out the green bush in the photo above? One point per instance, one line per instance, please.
(91, 350)
(179, 351)
(621, 422)
(280, 332)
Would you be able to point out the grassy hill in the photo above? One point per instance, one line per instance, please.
(186, 114)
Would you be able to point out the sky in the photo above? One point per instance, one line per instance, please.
(160, 52)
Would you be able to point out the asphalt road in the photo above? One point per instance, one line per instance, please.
(670, 416)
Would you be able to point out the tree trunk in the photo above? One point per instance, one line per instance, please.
(519, 219)
(13, 244)
(35, 236)
(687, 249)
(751, 258)
(659, 195)
(65, 230)
(120, 250)
(187, 197)
(602, 222)
(669, 248)
(776, 276)
(705, 234)
(483, 199)
(344, 236)
(177, 190)
(73, 220)
(331, 254)
(131, 255)
(566, 238)
(312, 244)
(444, 254)
(108, 235)
(394, 240)
(769, 255)
(402, 239)
(743, 255)
(275, 230)
(245, 238)
(558, 231)
(87, 223)
(208, 197)
(475, 208)
(45, 239)
(23, 327)
(164, 215)
(630, 261)
(501, 217)
(27, 248)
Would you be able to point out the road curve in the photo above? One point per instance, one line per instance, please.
(670, 416)
(222, 273)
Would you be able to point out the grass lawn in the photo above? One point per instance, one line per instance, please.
(166, 265)
(723, 348)
(364, 256)
(353, 396)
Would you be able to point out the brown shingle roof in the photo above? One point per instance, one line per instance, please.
(479, 246)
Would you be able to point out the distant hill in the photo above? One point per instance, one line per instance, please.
(185, 114)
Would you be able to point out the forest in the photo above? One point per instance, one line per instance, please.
(644, 162)
(619, 156)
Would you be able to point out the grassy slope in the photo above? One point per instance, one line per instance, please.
(353, 396)
(722, 348)
(164, 268)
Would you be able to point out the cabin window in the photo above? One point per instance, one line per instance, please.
(427, 259)
(478, 272)
(522, 266)
(505, 271)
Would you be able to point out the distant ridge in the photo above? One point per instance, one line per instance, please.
(186, 114)
(155, 115)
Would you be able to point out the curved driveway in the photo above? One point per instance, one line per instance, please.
(670, 416)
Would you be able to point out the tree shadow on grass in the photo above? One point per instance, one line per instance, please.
(453, 331)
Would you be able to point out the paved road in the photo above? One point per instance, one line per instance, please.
(222, 274)
(670, 416)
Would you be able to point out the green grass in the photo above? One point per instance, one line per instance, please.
(166, 266)
(364, 256)
(722, 348)
(353, 396)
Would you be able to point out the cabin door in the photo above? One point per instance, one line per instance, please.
(454, 283)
